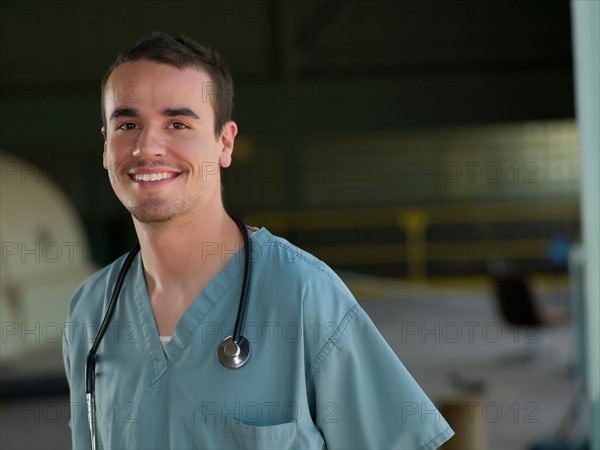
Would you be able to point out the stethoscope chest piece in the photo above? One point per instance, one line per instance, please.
(233, 355)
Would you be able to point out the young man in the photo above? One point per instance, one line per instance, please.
(318, 372)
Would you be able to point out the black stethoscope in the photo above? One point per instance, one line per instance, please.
(233, 352)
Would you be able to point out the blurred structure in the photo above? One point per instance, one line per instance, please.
(431, 202)
(342, 105)
(516, 302)
(45, 256)
(586, 37)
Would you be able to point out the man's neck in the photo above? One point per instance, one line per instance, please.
(179, 255)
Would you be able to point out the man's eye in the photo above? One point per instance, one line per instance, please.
(178, 126)
(127, 126)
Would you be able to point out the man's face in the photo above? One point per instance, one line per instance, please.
(160, 149)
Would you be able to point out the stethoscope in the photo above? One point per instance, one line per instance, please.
(233, 351)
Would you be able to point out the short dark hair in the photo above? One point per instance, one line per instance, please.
(182, 52)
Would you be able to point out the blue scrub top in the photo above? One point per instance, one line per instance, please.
(320, 375)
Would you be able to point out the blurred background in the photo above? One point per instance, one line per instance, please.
(431, 152)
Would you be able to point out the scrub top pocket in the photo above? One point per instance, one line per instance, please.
(217, 431)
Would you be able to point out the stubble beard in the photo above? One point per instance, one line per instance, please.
(154, 209)
(158, 210)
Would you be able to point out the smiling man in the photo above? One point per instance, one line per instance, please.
(162, 152)
(310, 370)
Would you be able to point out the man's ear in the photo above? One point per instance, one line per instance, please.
(104, 162)
(227, 138)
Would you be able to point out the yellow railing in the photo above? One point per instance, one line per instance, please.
(414, 222)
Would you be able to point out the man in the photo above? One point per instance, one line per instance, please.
(319, 374)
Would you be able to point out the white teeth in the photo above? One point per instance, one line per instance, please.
(152, 176)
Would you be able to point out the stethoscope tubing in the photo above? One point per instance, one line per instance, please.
(241, 314)
(90, 364)
(90, 370)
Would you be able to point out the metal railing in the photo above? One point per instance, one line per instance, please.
(418, 250)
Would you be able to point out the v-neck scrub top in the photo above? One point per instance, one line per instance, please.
(319, 376)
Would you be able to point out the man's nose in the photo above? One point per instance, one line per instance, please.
(149, 144)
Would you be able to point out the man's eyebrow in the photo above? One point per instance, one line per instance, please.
(129, 112)
(170, 112)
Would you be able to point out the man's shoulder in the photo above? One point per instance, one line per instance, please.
(92, 292)
(295, 279)
(282, 258)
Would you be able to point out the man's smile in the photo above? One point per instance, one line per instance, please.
(153, 176)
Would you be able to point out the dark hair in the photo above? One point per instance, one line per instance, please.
(182, 52)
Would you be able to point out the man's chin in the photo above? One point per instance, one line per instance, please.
(154, 214)
(152, 218)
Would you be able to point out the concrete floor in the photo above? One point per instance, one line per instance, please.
(516, 384)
